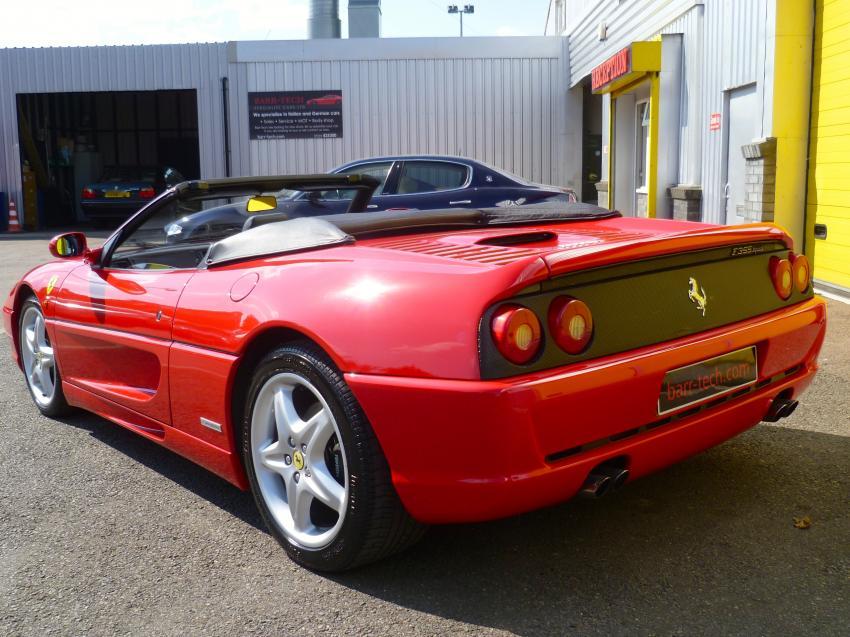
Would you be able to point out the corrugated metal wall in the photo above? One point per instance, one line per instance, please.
(626, 22)
(499, 100)
(737, 50)
(125, 68)
(727, 43)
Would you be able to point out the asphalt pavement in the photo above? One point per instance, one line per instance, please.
(104, 533)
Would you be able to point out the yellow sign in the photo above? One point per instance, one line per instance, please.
(626, 67)
(52, 283)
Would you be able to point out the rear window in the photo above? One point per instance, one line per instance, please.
(128, 173)
(430, 176)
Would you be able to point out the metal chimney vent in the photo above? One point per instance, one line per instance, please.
(364, 18)
(324, 19)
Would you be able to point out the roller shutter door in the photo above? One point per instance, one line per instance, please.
(828, 199)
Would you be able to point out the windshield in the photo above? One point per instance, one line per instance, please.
(129, 173)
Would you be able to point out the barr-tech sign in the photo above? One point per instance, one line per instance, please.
(295, 115)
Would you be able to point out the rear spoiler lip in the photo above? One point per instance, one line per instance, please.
(575, 259)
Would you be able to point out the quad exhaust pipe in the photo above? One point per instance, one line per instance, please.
(602, 480)
(779, 409)
(607, 478)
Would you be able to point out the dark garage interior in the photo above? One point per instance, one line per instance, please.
(68, 140)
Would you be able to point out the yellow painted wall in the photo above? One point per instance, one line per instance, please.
(828, 200)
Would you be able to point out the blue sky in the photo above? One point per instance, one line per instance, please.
(91, 22)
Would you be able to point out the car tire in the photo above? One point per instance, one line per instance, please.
(317, 472)
(38, 362)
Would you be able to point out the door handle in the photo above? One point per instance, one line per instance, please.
(372, 205)
(461, 201)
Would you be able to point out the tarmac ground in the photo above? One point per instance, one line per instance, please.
(103, 532)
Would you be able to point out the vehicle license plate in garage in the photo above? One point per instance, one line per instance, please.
(116, 194)
(708, 379)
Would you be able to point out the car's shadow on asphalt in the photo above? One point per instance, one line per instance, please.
(706, 547)
(176, 468)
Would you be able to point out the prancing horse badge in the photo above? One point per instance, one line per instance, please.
(697, 295)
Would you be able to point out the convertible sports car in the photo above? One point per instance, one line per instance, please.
(368, 373)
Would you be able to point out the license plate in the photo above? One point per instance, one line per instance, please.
(707, 379)
(116, 194)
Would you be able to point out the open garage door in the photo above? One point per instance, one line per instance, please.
(101, 155)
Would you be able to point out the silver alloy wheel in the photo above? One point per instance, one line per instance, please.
(290, 456)
(37, 354)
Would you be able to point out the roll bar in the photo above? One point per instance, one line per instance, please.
(364, 185)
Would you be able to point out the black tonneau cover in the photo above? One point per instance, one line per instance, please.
(380, 223)
(273, 234)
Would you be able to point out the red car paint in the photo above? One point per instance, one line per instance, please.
(156, 351)
(327, 100)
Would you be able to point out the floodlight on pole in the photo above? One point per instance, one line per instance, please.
(467, 9)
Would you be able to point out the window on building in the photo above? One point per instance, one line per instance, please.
(642, 146)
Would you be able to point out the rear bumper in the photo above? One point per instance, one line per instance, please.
(475, 450)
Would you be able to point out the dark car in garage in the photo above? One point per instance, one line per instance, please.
(421, 182)
(122, 190)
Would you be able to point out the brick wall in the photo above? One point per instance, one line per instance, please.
(760, 179)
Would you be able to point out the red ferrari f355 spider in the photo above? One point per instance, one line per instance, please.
(366, 374)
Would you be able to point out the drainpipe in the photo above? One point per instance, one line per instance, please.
(225, 110)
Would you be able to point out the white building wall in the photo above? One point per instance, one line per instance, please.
(123, 68)
(499, 100)
(726, 44)
(738, 50)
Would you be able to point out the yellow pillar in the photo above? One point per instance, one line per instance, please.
(791, 102)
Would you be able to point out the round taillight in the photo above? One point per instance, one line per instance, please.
(516, 332)
(783, 277)
(802, 273)
(571, 324)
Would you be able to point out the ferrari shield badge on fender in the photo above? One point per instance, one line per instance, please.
(52, 283)
(697, 295)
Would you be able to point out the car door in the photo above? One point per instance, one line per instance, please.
(427, 184)
(113, 321)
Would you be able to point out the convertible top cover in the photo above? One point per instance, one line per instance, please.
(293, 235)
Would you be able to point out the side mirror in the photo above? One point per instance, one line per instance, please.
(314, 196)
(69, 245)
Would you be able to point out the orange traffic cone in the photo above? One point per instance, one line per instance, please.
(14, 224)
